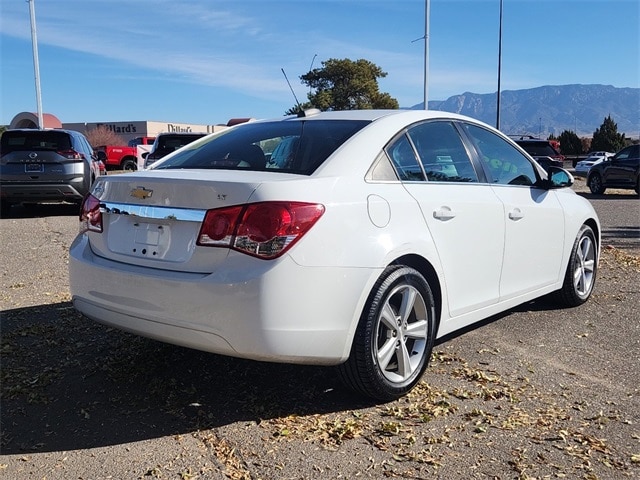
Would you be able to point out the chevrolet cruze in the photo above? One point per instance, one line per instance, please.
(352, 239)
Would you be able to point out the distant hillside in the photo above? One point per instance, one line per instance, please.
(551, 109)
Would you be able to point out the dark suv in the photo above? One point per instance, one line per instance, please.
(166, 143)
(45, 166)
(541, 150)
(619, 171)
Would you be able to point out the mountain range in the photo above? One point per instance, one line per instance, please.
(550, 109)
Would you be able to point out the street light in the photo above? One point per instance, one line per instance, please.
(36, 64)
(499, 69)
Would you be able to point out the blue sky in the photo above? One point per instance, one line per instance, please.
(206, 61)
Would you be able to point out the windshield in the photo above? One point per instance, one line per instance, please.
(19, 140)
(291, 146)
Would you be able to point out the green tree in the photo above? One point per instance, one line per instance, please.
(345, 85)
(570, 143)
(607, 138)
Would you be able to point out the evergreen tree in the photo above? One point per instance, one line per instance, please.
(570, 143)
(345, 85)
(607, 138)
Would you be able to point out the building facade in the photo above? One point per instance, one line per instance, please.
(127, 130)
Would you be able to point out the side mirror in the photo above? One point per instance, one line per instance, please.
(144, 155)
(102, 155)
(557, 178)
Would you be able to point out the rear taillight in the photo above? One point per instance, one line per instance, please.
(71, 154)
(90, 215)
(264, 230)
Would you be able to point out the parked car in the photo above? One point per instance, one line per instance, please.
(583, 166)
(166, 143)
(365, 238)
(45, 166)
(542, 151)
(619, 171)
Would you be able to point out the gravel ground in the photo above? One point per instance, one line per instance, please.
(534, 393)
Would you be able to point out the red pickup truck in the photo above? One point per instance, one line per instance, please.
(123, 157)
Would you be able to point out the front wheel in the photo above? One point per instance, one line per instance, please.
(595, 184)
(394, 337)
(581, 271)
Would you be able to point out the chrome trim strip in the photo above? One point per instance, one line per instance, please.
(153, 212)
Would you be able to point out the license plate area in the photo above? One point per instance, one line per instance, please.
(149, 240)
(34, 167)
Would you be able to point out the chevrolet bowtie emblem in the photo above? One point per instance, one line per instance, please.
(141, 193)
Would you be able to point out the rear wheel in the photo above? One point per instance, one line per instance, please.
(581, 271)
(394, 337)
(595, 184)
(129, 165)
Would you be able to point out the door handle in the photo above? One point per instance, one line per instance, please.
(516, 214)
(443, 213)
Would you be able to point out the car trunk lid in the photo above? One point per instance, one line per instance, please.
(152, 218)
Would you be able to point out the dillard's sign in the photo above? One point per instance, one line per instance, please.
(131, 128)
(177, 128)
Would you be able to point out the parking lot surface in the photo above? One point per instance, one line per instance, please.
(533, 393)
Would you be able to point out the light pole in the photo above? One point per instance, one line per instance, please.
(36, 64)
(427, 13)
(311, 67)
(499, 69)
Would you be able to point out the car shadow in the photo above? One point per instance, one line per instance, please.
(628, 195)
(70, 383)
(36, 210)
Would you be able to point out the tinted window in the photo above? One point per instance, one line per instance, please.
(442, 153)
(165, 144)
(34, 140)
(538, 149)
(503, 163)
(404, 160)
(292, 146)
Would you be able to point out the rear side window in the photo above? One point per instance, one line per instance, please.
(34, 140)
(442, 153)
(298, 146)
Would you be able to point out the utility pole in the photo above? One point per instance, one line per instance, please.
(499, 69)
(427, 13)
(36, 64)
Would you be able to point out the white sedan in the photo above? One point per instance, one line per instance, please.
(353, 239)
(594, 158)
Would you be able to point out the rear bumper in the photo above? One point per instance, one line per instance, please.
(16, 192)
(270, 311)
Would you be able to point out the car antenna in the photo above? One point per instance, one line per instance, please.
(300, 111)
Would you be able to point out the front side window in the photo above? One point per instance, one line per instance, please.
(504, 163)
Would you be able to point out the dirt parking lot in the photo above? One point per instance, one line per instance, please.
(535, 393)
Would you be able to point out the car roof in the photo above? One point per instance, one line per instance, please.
(371, 115)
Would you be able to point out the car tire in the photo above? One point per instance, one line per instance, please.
(5, 209)
(595, 184)
(394, 338)
(580, 276)
(129, 165)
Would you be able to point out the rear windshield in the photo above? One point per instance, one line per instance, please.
(539, 149)
(34, 140)
(165, 144)
(291, 146)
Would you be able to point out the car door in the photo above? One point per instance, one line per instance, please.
(534, 219)
(464, 217)
(620, 169)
